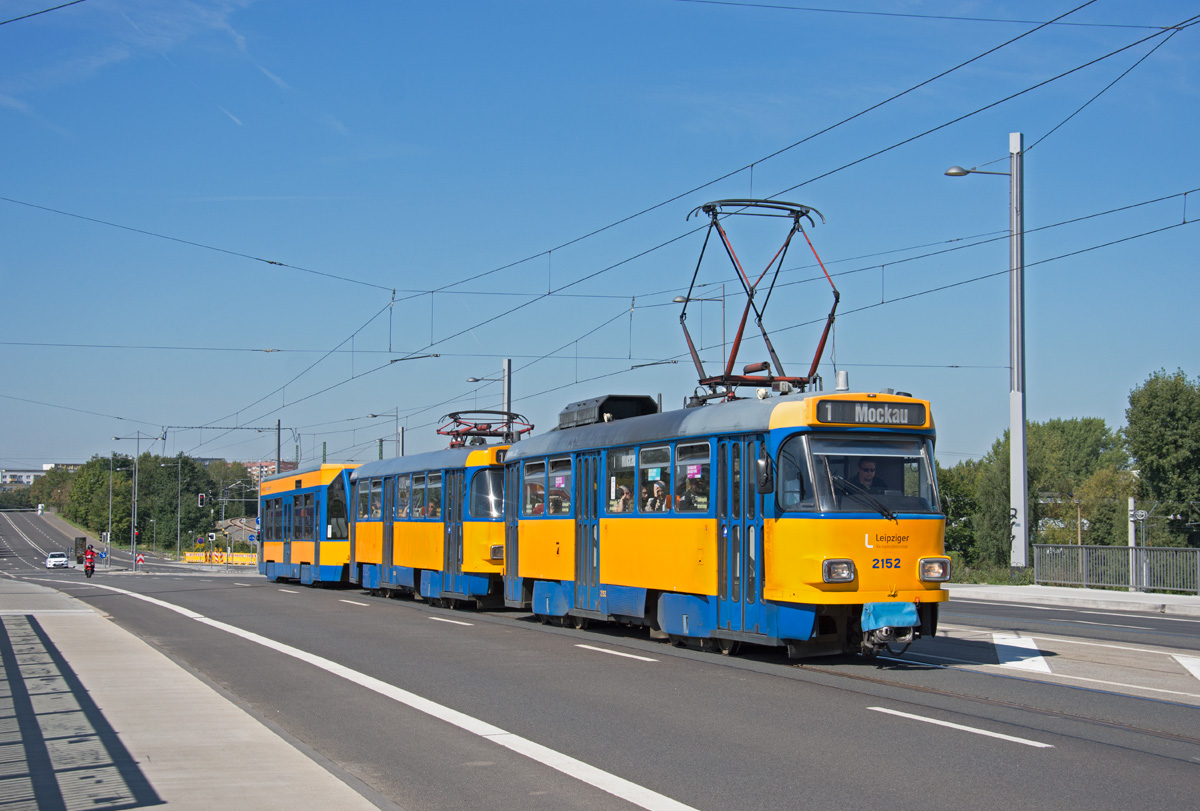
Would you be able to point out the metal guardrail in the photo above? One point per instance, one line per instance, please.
(1138, 568)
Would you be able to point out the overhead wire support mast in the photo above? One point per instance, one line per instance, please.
(727, 380)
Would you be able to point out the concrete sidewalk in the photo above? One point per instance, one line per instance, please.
(99, 719)
(1105, 599)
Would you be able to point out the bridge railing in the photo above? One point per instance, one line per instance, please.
(1138, 568)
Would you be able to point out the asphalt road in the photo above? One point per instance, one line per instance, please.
(968, 720)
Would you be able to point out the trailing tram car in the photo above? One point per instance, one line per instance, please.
(431, 524)
(305, 524)
(743, 521)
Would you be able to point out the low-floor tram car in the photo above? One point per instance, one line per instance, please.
(305, 524)
(810, 521)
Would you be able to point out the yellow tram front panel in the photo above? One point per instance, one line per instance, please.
(886, 559)
(368, 542)
(666, 554)
(547, 549)
(478, 539)
(891, 408)
(418, 544)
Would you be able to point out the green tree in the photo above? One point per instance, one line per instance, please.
(957, 487)
(1163, 432)
(53, 489)
(1062, 455)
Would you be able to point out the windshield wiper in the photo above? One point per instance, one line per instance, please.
(855, 489)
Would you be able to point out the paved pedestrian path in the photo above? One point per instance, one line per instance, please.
(95, 718)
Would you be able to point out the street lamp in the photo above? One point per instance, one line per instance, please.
(178, 502)
(505, 378)
(685, 300)
(1018, 482)
(108, 537)
(399, 430)
(133, 529)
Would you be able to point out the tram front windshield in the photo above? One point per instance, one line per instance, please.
(857, 473)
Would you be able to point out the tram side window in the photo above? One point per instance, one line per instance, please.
(362, 498)
(487, 493)
(693, 464)
(533, 494)
(402, 497)
(620, 467)
(376, 498)
(337, 527)
(418, 495)
(654, 482)
(558, 502)
(433, 484)
(310, 516)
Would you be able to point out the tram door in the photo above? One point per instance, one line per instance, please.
(587, 532)
(287, 530)
(739, 537)
(316, 527)
(512, 578)
(452, 515)
(389, 533)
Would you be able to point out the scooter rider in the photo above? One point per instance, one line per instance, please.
(89, 558)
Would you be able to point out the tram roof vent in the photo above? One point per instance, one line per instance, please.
(605, 409)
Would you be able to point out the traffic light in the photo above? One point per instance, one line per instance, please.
(200, 500)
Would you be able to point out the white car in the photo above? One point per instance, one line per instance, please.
(57, 560)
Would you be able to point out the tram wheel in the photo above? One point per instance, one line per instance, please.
(542, 619)
(580, 622)
(676, 640)
(729, 647)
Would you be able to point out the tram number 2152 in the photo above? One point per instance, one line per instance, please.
(885, 563)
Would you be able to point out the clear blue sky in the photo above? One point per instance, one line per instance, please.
(158, 153)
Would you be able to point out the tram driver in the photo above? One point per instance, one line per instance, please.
(866, 478)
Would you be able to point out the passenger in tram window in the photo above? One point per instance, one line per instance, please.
(866, 478)
(691, 498)
(624, 502)
(659, 501)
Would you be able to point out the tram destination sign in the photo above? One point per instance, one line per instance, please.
(857, 412)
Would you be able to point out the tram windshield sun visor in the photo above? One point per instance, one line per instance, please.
(857, 473)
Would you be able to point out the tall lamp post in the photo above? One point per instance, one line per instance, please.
(505, 378)
(178, 502)
(399, 431)
(1018, 479)
(139, 436)
(108, 537)
(685, 300)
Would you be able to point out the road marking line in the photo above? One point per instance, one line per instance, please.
(617, 653)
(1019, 652)
(452, 622)
(1024, 741)
(973, 663)
(1190, 662)
(1064, 640)
(1111, 625)
(352, 602)
(285, 591)
(584, 772)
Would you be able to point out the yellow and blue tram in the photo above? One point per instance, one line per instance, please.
(431, 524)
(305, 525)
(810, 521)
(744, 521)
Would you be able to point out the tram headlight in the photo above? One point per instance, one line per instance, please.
(935, 570)
(497, 551)
(838, 571)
